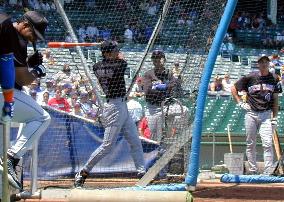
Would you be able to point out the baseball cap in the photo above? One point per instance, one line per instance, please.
(109, 46)
(158, 54)
(263, 58)
(38, 23)
(67, 85)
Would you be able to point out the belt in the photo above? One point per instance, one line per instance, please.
(121, 99)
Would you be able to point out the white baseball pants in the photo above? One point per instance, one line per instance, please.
(36, 120)
(259, 122)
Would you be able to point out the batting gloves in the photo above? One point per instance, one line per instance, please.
(274, 123)
(7, 111)
(35, 59)
(39, 71)
(244, 106)
(160, 86)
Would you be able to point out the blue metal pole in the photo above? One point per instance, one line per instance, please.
(193, 167)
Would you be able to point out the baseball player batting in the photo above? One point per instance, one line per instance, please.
(7, 71)
(28, 29)
(261, 108)
(115, 117)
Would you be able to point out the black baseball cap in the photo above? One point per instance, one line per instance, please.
(158, 54)
(109, 46)
(263, 59)
(38, 23)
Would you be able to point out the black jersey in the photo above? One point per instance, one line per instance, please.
(110, 74)
(259, 90)
(12, 42)
(156, 97)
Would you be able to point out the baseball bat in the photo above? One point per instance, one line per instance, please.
(69, 44)
(278, 149)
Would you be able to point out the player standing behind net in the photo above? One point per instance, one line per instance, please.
(160, 84)
(262, 90)
(28, 29)
(7, 70)
(115, 116)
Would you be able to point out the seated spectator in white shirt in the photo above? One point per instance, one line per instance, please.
(92, 32)
(77, 109)
(82, 33)
(44, 99)
(128, 35)
(153, 8)
(52, 6)
(226, 83)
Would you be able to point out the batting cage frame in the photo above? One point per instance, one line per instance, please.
(190, 137)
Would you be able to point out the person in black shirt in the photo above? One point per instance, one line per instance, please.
(115, 116)
(261, 108)
(28, 29)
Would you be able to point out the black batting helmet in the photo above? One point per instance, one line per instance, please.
(158, 54)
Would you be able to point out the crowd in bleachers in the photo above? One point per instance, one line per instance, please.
(257, 26)
(43, 5)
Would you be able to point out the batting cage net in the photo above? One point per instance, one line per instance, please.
(163, 46)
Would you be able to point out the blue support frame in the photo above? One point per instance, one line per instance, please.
(193, 167)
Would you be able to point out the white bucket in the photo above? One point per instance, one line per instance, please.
(235, 163)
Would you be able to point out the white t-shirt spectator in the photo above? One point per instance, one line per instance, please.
(92, 31)
(82, 33)
(152, 9)
(135, 110)
(128, 35)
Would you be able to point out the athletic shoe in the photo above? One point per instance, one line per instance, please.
(140, 174)
(12, 175)
(80, 178)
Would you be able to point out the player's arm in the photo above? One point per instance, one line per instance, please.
(235, 94)
(25, 77)
(7, 73)
(239, 86)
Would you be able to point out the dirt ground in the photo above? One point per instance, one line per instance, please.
(216, 191)
(206, 191)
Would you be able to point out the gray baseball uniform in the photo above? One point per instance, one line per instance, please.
(115, 116)
(260, 90)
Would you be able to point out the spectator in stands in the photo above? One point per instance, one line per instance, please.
(216, 85)
(35, 85)
(34, 4)
(76, 110)
(58, 102)
(52, 6)
(135, 110)
(144, 129)
(68, 38)
(226, 83)
(92, 31)
(138, 88)
(85, 103)
(45, 98)
(143, 6)
(148, 32)
(73, 99)
(176, 69)
(67, 89)
(106, 33)
(91, 115)
(47, 57)
(65, 76)
(182, 19)
(82, 33)
(33, 94)
(152, 8)
(275, 61)
(44, 5)
(128, 34)
(267, 39)
(279, 39)
(50, 87)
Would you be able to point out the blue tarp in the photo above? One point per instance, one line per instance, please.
(256, 179)
(68, 142)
